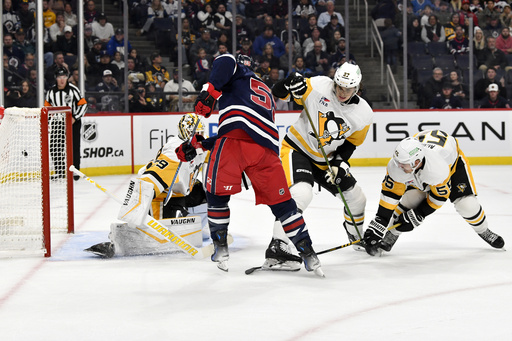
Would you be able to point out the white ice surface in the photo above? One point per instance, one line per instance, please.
(440, 282)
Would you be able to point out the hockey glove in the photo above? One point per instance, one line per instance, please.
(298, 86)
(196, 142)
(206, 100)
(187, 150)
(409, 220)
(339, 171)
(373, 236)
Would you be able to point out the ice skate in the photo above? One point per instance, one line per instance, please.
(388, 241)
(279, 258)
(104, 250)
(492, 239)
(352, 238)
(311, 261)
(221, 252)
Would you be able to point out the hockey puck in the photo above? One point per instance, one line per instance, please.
(25, 154)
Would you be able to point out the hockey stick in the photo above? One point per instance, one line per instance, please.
(351, 243)
(169, 191)
(330, 168)
(152, 224)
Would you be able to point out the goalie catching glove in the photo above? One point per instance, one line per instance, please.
(206, 100)
(373, 236)
(187, 151)
(409, 220)
(137, 202)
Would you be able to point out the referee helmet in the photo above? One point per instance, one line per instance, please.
(61, 71)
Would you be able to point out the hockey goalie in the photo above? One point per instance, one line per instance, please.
(185, 211)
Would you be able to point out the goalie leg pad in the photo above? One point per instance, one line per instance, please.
(472, 212)
(202, 211)
(137, 202)
(129, 240)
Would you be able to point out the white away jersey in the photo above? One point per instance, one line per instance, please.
(441, 153)
(160, 172)
(433, 177)
(333, 121)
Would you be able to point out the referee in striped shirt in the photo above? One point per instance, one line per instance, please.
(65, 94)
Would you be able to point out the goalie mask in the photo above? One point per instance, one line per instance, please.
(186, 125)
(407, 152)
(346, 81)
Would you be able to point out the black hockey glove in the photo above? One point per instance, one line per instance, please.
(409, 220)
(339, 171)
(186, 152)
(298, 86)
(373, 236)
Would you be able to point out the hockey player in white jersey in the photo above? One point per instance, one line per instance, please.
(424, 172)
(185, 211)
(342, 120)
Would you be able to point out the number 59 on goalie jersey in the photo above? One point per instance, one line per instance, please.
(160, 171)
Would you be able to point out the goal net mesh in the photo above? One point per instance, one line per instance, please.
(21, 178)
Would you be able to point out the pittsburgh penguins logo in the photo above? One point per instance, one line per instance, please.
(462, 187)
(331, 127)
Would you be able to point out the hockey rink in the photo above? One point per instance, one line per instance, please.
(440, 281)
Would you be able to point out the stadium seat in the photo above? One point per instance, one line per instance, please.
(462, 61)
(446, 62)
(422, 62)
(437, 49)
(477, 74)
(416, 48)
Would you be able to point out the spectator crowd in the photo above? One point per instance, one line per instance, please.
(437, 40)
(438, 48)
(317, 46)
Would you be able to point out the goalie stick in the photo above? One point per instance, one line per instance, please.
(151, 223)
(260, 268)
(169, 191)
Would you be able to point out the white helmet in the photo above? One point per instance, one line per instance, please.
(186, 125)
(348, 76)
(408, 151)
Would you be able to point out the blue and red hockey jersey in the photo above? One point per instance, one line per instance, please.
(246, 102)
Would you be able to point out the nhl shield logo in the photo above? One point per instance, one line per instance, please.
(89, 133)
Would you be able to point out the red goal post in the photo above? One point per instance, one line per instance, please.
(36, 186)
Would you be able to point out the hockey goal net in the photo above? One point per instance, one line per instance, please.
(36, 187)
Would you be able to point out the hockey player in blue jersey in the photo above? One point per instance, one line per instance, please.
(247, 142)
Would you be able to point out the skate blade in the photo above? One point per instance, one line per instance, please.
(274, 265)
(223, 265)
(358, 247)
(318, 271)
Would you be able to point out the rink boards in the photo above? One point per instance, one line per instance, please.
(122, 143)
